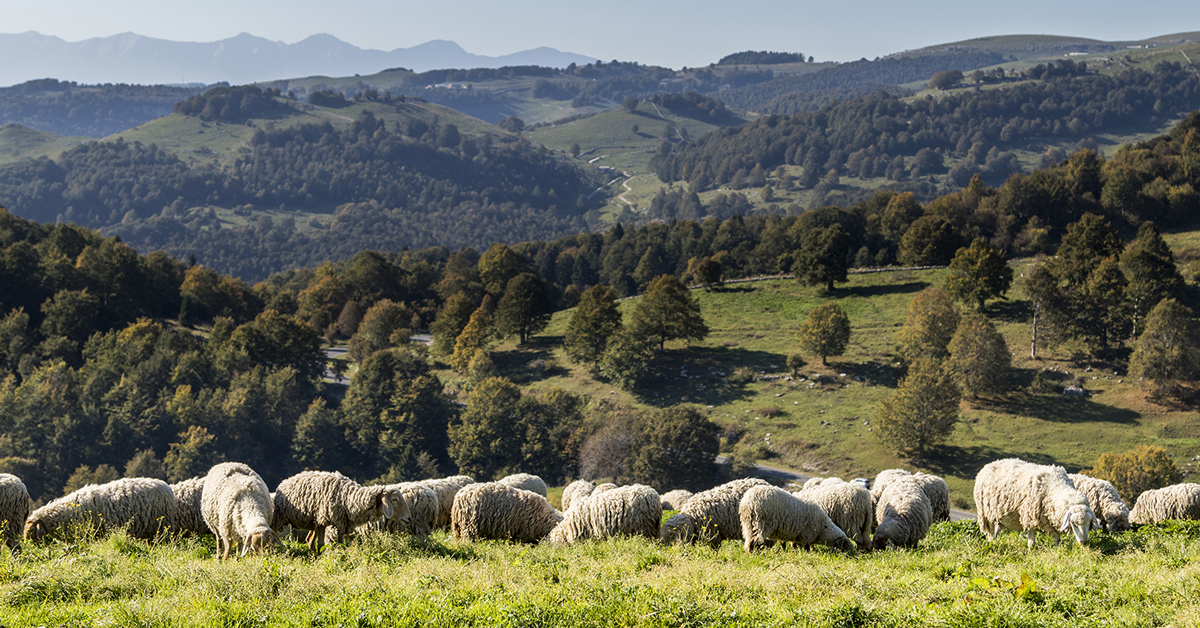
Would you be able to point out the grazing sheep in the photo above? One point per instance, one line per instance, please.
(14, 509)
(422, 505)
(934, 486)
(188, 518)
(315, 500)
(601, 488)
(145, 505)
(491, 510)
(576, 490)
(848, 504)
(884, 478)
(710, 516)
(633, 510)
(445, 488)
(1111, 512)
(903, 514)
(236, 506)
(1013, 494)
(674, 500)
(769, 513)
(1179, 501)
(525, 481)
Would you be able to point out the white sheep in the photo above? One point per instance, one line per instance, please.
(709, 516)
(674, 500)
(490, 510)
(1179, 501)
(1013, 494)
(445, 488)
(188, 518)
(935, 489)
(236, 506)
(1111, 512)
(769, 513)
(14, 509)
(903, 514)
(315, 500)
(422, 505)
(575, 490)
(848, 504)
(633, 510)
(601, 488)
(525, 481)
(145, 505)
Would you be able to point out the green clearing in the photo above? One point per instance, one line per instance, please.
(18, 142)
(818, 422)
(1146, 578)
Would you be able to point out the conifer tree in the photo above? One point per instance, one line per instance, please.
(922, 412)
(450, 322)
(1150, 268)
(979, 357)
(825, 332)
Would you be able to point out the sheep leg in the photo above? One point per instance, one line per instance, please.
(318, 539)
(1032, 534)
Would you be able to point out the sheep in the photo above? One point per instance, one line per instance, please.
(445, 488)
(237, 507)
(1179, 501)
(188, 518)
(601, 488)
(526, 481)
(769, 513)
(674, 500)
(14, 509)
(1111, 512)
(935, 489)
(903, 514)
(848, 504)
(1012, 494)
(145, 505)
(491, 510)
(576, 490)
(422, 505)
(633, 510)
(315, 500)
(710, 516)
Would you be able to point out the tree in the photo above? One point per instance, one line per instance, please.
(385, 325)
(979, 357)
(1135, 471)
(1087, 242)
(824, 257)
(825, 332)
(145, 464)
(668, 312)
(595, 321)
(476, 335)
(922, 412)
(928, 328)
(706, 270)
(451, 319)
(945, 79)
(978, 273)
(1150, 269)
(193, 455)
(484, 440)
(524, 309)
(278, 341)
(1047, 304)
(498, 265)
(1168, 349)
(929, 241)
(512, 124)
(626, 359)
(1101, 311)
(677, 448)
(84, 475)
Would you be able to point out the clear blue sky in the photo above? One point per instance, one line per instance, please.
(660, 32)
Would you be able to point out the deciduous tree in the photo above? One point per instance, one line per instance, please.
(928, 328)
(979, 357)
(922, 412)
(824, 257)
(1135, 471)
(978, 273)
(677, 448)
(668, 312)
(524, 309)
(595, 321)
(1168, 350)
(825, 332)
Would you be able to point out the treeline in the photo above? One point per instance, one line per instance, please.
(880, 135)
(889, 71)
(232, 104)
(67, 108)
(761, 57)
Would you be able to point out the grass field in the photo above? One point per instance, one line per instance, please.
(819, 421)
(1146, 578)
(18, 142)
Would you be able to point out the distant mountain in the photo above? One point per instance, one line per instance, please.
(132, 58)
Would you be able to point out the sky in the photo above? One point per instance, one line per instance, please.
(669, 33)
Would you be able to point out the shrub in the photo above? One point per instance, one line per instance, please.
(1137, 470)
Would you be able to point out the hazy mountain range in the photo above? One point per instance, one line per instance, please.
(133, 58)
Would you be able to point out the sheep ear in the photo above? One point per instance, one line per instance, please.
(386, 506)
(1066, 524)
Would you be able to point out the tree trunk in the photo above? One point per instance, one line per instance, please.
(1033, 341)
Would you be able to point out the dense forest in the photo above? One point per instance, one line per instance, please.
(870, 137)
(101, 368)
(70, 109)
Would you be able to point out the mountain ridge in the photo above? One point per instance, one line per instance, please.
(243, 58)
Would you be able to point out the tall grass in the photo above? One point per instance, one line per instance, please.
(1147, 578)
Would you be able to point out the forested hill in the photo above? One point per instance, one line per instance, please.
(70, 109)
(965, 132)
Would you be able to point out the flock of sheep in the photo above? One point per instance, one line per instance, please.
(234, 504)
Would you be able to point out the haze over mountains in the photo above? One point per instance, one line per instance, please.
(133, 58)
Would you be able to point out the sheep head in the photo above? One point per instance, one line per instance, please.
(1119, 523)
(679, 528)
(1079, 519)
(260, 542)
(844, 544)
(36, 531)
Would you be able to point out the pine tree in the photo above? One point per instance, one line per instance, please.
(825, 332)
(595, 321)
(922, 412)
(1168, 349)
(668, 312)
(979, 357)
(524, 309)
(928, 328)
(978, 273)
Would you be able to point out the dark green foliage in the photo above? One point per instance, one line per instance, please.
(667, 312)
(945, 79)
(524, 310)
(677, 448)
(232, 104)
(979, 357)
(922, 412)
(825, 332)
(70, 109)
(824, 257)
(978, 273)
(761, 57)
(626, 360)
(594, 323)
(1168, 350)
(450, 322)
(1150, 267)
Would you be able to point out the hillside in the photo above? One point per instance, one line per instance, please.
(68, 108)
(19, 142)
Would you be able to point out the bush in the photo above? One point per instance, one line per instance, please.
(795, 362)
(1137, 470)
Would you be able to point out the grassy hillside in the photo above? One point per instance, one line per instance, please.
(1145, 578)
(819, 421)
(18, 142)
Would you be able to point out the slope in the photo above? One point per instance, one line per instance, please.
(19, 142)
